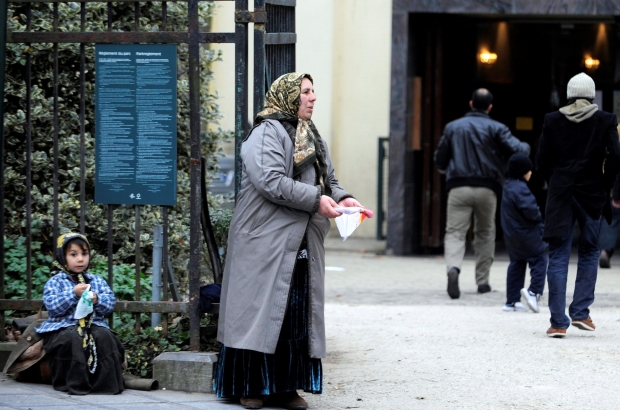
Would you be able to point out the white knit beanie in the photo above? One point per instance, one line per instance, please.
(581, 85)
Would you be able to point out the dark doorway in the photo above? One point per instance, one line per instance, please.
(535, 58)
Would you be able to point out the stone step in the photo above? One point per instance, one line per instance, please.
(6, 348)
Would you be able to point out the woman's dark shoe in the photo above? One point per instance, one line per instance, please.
(252, 402)
(292, 401)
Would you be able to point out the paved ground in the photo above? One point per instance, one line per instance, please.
(396, 341)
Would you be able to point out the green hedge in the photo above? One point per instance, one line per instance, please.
(69, 135)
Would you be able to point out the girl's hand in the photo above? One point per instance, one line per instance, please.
(79, 289)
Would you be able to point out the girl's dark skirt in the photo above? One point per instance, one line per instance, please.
(68, 362)
(242, 373)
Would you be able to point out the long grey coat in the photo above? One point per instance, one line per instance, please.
(271, 216)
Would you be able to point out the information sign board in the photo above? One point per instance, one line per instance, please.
(135, 124)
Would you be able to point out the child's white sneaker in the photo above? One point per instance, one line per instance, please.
(531, 300)
(514, 307)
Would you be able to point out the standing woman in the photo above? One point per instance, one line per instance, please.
(271, 322)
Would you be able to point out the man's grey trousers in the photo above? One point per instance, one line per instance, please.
(462, 203)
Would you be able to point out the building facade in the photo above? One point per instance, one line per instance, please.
(405, 68)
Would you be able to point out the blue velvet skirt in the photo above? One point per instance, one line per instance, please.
(240, 372)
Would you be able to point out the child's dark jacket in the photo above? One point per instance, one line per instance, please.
(522, 222)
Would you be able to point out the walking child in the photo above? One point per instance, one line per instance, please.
(523, 230)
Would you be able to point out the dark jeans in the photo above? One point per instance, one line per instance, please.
(587, 265)
(515, 278)
(609, 232)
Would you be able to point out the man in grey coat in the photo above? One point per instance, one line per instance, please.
(271, 320)
(473, 153)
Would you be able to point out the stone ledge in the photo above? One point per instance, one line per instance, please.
(6, 348)
(185, 371)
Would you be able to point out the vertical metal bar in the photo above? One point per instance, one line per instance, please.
(136, 15)
(380, 189)
(259, 61)
(3, 20)
(164, 16)
(110, 213)
(426, 138)
(56, 125)
(82, 122)
(207, 227)
(137, 240)
(165, 272)
(437, 130)
(29, 161)
(292, 48)
(241, 89)
(110, 15)
(158, 247)
(110, 257)
(195, 168)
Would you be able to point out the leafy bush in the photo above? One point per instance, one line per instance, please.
(124, 285)
(16, 282)
(15, 268)
(142, 348)
(69, 138)
(220, 219)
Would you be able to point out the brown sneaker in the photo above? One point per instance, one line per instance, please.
(252, 402)
(557, 333)
(584, 324)
(292, 401)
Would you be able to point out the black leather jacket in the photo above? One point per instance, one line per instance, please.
(474, 151)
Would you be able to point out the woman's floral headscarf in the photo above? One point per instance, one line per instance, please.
(282, 104)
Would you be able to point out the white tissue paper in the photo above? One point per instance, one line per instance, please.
(350, 219)
(85, 305)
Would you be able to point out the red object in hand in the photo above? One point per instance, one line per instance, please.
(368, 212)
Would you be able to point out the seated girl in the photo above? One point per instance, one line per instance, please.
(84, 355)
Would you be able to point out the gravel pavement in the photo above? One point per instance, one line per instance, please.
(395, 340)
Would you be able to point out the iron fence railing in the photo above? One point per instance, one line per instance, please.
(283, 11)
(382, 184)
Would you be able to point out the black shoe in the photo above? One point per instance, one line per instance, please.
(290, 401)
(484, 288)
(453, 283)
(251, 402)
(603, 260)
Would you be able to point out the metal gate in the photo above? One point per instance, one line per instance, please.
(274, 26)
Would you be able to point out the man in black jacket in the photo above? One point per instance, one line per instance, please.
(579, 157)
(473, 153)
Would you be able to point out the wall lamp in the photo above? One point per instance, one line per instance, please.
(591, 63)
(488, 58)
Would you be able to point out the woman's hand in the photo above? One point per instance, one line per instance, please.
(349, 202)
(326, 207)
(353, 202)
